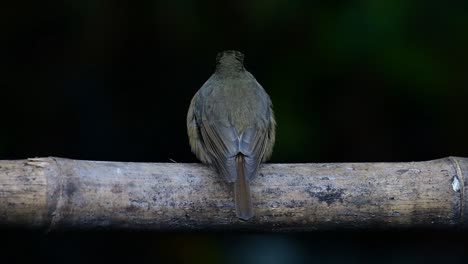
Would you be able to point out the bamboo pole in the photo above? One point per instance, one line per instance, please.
(55, 193)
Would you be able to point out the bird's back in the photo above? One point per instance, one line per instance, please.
(237, 101)
(235, 118)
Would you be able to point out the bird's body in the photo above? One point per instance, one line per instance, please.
(231, 126)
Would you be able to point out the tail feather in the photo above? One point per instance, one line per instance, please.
(244, 208)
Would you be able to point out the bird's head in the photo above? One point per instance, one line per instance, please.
(230, 60)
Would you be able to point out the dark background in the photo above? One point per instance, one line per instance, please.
(350, 81)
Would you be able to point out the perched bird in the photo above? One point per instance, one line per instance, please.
(231, 126)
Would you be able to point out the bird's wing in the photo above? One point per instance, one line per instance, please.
(253, 145)
(221, 143)
(256, 142)
(195, 137)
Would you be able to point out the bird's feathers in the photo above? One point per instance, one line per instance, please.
(231, 126)
(218, 133)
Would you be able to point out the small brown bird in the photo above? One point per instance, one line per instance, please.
(231, 126)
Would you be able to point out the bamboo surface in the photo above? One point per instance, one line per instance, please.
(56, 193)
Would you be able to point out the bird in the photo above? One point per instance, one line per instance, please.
(231, 126)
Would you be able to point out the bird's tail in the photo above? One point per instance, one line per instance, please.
(244, 209)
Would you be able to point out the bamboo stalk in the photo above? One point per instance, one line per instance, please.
(55, 193)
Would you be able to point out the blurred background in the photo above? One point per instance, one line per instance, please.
(351, 81)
